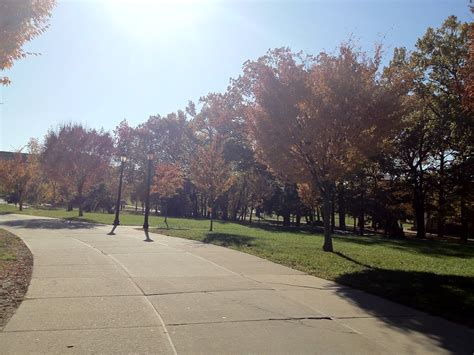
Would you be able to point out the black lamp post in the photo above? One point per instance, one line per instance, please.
(123, 159)
(147, 196)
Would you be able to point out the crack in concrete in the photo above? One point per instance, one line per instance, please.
(252, 320)
(209, 291)
(82, 329)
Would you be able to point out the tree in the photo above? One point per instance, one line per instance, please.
(21, 21)
(211, 174)
(168, 179)
(312, 120)
(437, 129)
(439, 60)
(15, 176)
(77, 156)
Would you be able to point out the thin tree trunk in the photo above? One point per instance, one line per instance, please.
(441, 198)
(333, 210)
(419, 214)
(211, 214)
(464, 220)
(361, 214)
(251, 213)
(326, 194)
(79, 200)
(420, 206)
(341, 207)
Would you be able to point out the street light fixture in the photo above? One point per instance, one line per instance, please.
(150, 158)
(123, 159)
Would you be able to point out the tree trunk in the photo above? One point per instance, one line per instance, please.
(166, 214)
(341, 207)
(79, 201)
(441, 198)
(326, 194)
(464, 220)
(251, 213)
(333, 210)
(286, 219)
(203, 208)
(20, 199)
(210, 217)
(361, 214)
(419, 206)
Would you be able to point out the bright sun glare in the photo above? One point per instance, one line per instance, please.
(151, 20)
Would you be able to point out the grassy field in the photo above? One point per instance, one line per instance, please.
(436, 277)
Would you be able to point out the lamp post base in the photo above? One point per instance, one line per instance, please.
(113, 229)
(147, 236)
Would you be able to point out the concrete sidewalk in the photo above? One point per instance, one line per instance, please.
(94, 293)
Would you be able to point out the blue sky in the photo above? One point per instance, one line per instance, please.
(103, 60)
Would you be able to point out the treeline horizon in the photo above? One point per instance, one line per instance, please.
(295, 135)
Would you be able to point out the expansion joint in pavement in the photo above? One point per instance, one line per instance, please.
(253, 320)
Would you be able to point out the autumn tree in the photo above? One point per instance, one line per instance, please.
(14, 177)
(78, 156)
(211, 174)
(20, 22)
(168, 179)
(314, 119)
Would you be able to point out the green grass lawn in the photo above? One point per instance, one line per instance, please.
(437, 277)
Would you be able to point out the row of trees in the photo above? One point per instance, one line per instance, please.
(295, 135)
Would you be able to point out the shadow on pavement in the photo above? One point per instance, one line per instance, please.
(226, 239)
(47, 224)
(449, 296)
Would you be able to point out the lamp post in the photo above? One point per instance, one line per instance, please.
(147, 196)
(123, 159)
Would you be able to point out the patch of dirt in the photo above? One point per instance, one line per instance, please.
(16, 264)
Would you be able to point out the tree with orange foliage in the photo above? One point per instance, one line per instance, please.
(78, 157)
(313, 119)
(211, 174)
(21, 21)
(167, 181)
(15, 176)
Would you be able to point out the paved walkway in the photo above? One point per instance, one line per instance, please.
(94, 293)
